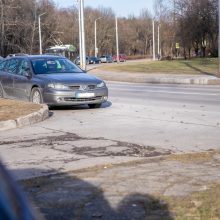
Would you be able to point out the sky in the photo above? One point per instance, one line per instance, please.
(122, 8)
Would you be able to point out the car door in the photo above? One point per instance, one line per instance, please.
(22, 79)
(7, 79)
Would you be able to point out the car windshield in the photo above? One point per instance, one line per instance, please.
(54, 65)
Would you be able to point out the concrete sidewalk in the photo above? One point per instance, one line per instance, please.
(156, 77)
(141, 189)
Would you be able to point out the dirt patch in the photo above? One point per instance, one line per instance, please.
(12, 109)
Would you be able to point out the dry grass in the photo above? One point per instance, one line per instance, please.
(193, 157)
(12, 109)
(193, 66)
(204, 205)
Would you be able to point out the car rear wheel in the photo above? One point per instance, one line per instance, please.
(36, 96)
(98, 105)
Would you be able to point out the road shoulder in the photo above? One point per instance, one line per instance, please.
(159, 78)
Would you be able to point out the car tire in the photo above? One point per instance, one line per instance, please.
(1, 92)
(36, 96)
(97, 105)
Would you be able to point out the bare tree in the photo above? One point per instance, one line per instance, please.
(191, 23)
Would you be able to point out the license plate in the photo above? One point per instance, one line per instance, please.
(85, 95)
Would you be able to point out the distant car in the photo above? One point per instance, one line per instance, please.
(106, 59)
(95, 60)
(122, 58)
(77, 61)
(88, 61)
(52, 80)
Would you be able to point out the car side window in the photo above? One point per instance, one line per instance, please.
(2, 65)
(12, 66)
(23, 67)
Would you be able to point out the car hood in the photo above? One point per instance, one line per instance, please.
(69, 78)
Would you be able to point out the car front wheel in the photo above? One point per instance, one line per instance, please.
(98, 105)
(36, 96)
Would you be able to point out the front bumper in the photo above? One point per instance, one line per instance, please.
(59, 98)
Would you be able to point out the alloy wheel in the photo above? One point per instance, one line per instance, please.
(36, 97)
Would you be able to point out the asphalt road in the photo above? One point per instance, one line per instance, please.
(139, 120)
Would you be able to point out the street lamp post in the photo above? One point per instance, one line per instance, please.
(116, 31)
(154, 57)
(82, 35)
(39, 26)
(158, 39)
(96, 49)
(218, 38)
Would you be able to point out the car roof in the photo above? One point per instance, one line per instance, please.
(36, 56)
(45, 56)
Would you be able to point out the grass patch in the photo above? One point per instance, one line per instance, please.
(12, 109)
(199, 205)
(193, 157)
(193, 66)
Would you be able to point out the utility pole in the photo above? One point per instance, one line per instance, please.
(158, 41)
(39, 26)
(173, 47)
(82, 35)
(154, 57)
(218, 38)
(96, 49)
(95, 39)
(116, 32)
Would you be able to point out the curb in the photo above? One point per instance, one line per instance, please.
(22, 121)
(156, 78)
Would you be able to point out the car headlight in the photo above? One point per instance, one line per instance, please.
(100, 85)
(57, 86)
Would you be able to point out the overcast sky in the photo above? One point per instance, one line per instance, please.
(120, 7)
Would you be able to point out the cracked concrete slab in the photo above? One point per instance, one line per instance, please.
(68, 151)
(112, 191)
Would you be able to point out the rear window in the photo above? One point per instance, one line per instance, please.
(54, 65)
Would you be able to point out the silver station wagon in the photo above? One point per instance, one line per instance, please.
(49, 79)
